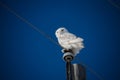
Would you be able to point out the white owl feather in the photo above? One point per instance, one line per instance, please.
(69, 41)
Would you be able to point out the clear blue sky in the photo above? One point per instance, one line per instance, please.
(28, 55)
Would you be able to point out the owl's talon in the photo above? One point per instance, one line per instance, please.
(67, 50)
(63, 50)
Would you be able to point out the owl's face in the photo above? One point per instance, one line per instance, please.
(60, 31)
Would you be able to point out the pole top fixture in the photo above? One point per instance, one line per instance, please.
(68, 55)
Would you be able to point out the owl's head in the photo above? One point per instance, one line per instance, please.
(60, 31)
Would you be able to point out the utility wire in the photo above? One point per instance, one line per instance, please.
(114, 4)
(27, 22)
(90, 69)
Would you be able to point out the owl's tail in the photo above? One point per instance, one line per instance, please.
(76, 48)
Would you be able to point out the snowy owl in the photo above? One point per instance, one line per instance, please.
(69, 41)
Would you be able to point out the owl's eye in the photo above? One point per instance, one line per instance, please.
(62, 29)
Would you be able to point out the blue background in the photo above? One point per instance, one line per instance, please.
(25, 54)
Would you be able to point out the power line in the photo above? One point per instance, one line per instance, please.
(90, 69)
(27, 22)
(114, 4)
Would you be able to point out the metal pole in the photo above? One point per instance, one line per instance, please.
(68, 70)
(68, 57)
(78, 72)
(73, 71)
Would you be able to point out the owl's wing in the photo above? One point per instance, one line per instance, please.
(70, 41)
(65, 39)
(76, 40)
(69, 36)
